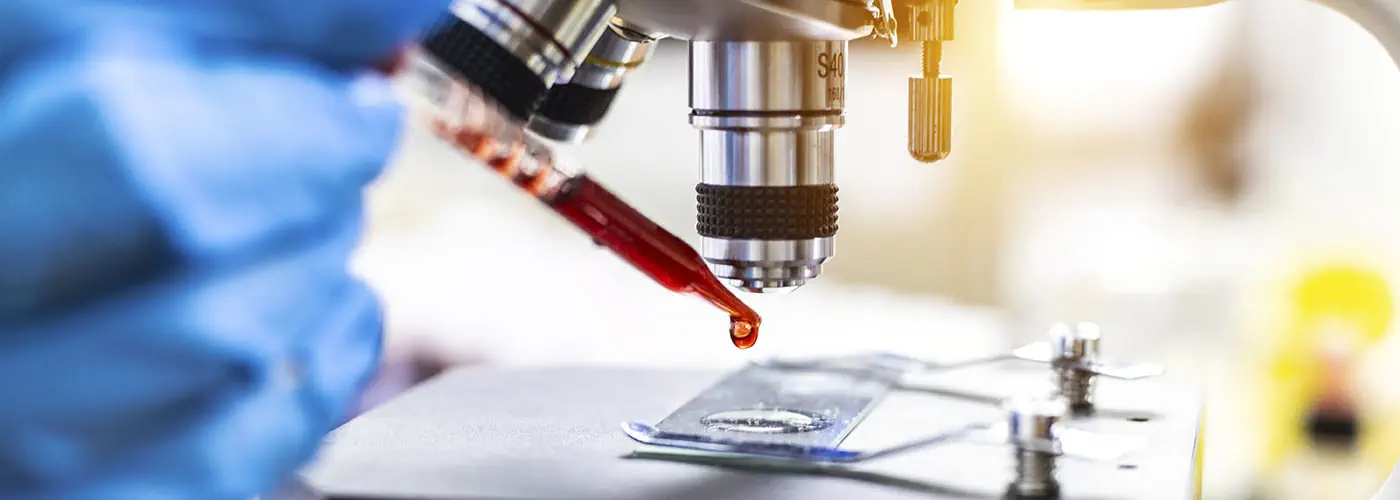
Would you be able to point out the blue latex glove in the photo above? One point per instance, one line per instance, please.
(180, 188)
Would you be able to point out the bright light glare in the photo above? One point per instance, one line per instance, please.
(1096, 66)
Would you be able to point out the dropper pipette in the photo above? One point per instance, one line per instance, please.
(476, 126)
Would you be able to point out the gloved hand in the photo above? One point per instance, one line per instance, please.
(180, 187)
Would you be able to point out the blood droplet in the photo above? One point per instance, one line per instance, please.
(742, 332)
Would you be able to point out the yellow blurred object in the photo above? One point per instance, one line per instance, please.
(1112, 4)
(1198, 475)
(1348, 293)
(1334, 317)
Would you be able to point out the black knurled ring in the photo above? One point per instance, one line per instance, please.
(766, 212)
(576, 104)
(484, 63)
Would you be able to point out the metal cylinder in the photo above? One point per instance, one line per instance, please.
(514, 50)
(1031, 422)
(931, 93)
(1035, 475)
(1031, 427)
(930, 118)
(767, 114)
(616, 55)
(1072, 349)
(572, 109)
(1079, 343)
(1077, 386)
(551, 37)
(931, 20)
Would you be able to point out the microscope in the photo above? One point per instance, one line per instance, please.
(767, 95)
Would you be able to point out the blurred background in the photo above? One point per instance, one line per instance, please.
(1217, 187)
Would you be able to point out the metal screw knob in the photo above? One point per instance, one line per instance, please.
(931, 93)
(1079, 343)
(1072, 351)
(930, 117)
(1032, 422)
(1032, 430)
(931, 20)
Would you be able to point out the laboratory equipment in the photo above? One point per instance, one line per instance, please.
(462, 115)
(872, 425)
(571, 110)
(767, 93)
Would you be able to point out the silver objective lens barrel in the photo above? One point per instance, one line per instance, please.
(767, 113)
(514, 50)
(571, 110)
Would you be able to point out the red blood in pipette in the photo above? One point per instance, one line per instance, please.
(614, 224)
(651, 249)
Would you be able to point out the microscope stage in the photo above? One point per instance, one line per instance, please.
(553, 433)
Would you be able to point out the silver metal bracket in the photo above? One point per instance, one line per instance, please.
(802, 409)
(886, 26)
(797, 413)
(501, 432)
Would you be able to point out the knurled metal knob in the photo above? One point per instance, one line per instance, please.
(1077, 344)
(930, 118)
(1033, 432)
(1072, 349)
(931, 20)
